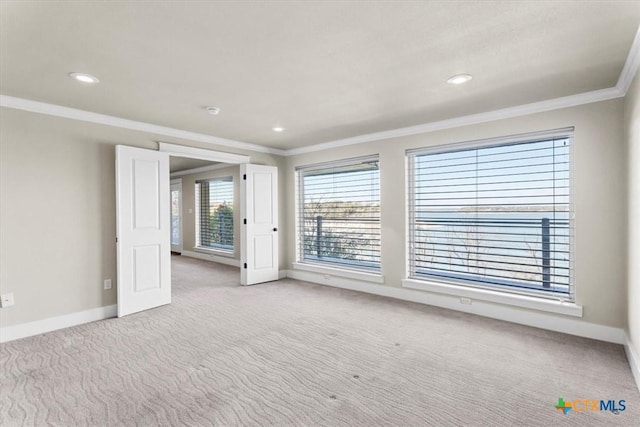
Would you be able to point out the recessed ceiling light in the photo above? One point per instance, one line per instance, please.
(458, 79)
(278, 129)
(84, 78)
(214, 111)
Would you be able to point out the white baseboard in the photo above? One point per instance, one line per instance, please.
(212, 257)
(497, 311)
(10, 333)
(634, 360)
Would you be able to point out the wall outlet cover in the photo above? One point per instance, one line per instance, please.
(6, 300)
(107, 284)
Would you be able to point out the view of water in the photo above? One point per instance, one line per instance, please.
(495, 247)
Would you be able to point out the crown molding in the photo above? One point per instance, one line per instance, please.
(625, 79)
(102, 119)
(505, 113)
(630, 66)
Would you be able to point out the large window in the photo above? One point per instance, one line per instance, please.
(214, 214)
(339, 214)
(495, 215)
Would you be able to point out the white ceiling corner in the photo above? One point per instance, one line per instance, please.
(631, 65)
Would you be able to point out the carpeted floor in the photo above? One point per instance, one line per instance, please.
(293, 353)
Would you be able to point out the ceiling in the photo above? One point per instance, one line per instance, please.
(322, 70)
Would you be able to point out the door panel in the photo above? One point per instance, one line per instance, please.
(146, 200)
(259, 210)
(262, 251)
(143, 229)
(262, 194)
(146, 267)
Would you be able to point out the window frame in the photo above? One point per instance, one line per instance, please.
(216, 248)
(456, 286)
(328, 267)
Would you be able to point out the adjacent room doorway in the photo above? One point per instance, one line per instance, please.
(144, 222)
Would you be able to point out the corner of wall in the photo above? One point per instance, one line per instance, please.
(634, 360)
(632, 137)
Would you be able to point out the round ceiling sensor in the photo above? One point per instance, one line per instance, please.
(459, 79)
(214, 111)
(84, 78)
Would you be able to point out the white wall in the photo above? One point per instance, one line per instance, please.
(57, 212)
(600, 198)
(632, 136)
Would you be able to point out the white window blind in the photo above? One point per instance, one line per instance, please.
(497, 216)
(214, 214)
(339, 214)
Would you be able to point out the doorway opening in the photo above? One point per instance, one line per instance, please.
(205, 214)
(148, 229)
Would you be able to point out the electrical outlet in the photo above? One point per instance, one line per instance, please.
(466, 301)
(7, 300)
(107, 284)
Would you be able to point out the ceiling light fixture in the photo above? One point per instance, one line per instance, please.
(278, 129)
(84, 78)
(214, 111)
(458, 79)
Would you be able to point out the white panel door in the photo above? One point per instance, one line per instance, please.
(259, 230)
(143, 229)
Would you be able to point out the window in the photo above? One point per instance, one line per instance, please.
(496, 215)
(214, 214)
(339, 214)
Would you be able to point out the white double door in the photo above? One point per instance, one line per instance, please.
(144, 227)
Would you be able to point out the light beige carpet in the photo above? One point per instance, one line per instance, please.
(293, 353)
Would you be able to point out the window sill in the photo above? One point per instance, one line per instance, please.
(559, 307)
(350, 274)
(220, 252)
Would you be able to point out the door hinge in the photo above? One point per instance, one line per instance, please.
(244, 176)
(245, 221)
(116, 240)
(245, 265)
